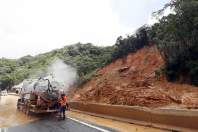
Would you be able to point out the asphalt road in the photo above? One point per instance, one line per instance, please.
(14, 121)
(53, 125)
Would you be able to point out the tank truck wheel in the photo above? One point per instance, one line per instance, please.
(27, 112)
(18, 108)
(27, 109)
(18, 104)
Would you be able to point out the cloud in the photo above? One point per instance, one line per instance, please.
(34, 26)
(37, 26)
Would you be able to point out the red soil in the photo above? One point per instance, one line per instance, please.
(133, 80)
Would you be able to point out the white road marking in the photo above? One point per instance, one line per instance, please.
(89, 125)
(3, 129)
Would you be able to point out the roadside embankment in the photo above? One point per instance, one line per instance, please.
(110, 123)
(181, 120)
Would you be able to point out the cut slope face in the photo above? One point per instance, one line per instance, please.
(136, 80)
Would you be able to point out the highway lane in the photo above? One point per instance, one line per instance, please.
(53, 125)
(12, 120)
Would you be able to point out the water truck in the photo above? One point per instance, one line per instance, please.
(39, 95)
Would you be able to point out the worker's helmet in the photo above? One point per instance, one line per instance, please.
(63, 94)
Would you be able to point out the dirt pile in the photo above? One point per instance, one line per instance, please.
(136, 80)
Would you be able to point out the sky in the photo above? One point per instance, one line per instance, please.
(30, 27)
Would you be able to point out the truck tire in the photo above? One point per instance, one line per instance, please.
(27, 107)
(27, 112)
(18, 107)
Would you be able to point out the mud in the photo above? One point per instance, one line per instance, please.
(136, 80)
(9, 115)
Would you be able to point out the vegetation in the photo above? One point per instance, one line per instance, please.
(86, 58)
(176, 36)
(132, 43)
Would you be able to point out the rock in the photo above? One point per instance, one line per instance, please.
(123, 69)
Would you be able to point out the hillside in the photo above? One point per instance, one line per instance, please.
(85, 58)
(155, 66)
(136, 80)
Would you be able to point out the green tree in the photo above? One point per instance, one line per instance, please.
(6, 82)
(124, 46)
(176, 36)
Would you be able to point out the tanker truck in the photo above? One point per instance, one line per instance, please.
(39, 95)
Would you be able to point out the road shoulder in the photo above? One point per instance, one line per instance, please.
(116, 125)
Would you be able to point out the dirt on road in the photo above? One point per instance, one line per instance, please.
(9, 115)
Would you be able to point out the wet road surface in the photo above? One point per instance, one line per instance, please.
(9, 115)
(52, 125)
(12, 120)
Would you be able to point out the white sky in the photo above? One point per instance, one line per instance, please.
(37, 26)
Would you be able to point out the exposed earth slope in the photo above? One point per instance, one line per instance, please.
(136, 80)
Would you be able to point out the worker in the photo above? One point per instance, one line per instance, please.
(63, 105)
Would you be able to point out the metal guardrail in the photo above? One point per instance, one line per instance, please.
(180, 120)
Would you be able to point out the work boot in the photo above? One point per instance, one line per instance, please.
(59, 117)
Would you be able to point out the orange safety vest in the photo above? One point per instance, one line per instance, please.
(63, 101)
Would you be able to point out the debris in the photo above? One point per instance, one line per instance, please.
(123, 69)
(135, 83)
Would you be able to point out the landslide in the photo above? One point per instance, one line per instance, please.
(136, 80)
